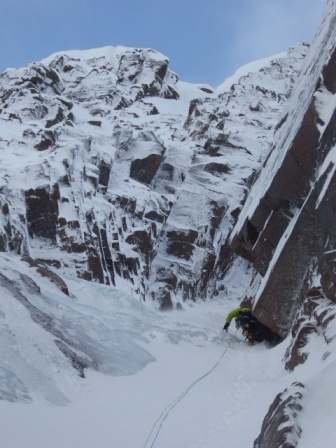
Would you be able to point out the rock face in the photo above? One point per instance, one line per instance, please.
(280, 428)
(287, 227)
(121, 174)
(315, 317)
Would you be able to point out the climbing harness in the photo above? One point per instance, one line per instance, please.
(156, 428)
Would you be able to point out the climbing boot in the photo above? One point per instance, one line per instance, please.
(249, 339)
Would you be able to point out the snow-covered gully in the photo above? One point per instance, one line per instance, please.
(156, 428)
(206, 387)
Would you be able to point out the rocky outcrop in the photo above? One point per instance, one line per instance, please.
(317, 317)
(281, 428)
(287, 225)
(126, 75)
(42, 212)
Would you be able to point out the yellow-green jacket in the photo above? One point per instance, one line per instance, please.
(235, 313)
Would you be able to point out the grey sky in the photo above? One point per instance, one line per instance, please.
(205, 40)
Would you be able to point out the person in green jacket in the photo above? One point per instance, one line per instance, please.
(253, 330)
(241, 315)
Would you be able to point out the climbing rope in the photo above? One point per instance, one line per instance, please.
(156, 428)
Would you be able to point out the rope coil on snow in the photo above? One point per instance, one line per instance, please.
(164, 414)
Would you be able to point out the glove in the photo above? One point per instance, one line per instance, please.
(226, 326)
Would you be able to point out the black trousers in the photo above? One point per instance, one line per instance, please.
(258, 332)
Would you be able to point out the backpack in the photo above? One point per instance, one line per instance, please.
(243, 318)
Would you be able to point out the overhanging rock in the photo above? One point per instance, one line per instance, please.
(288, 221)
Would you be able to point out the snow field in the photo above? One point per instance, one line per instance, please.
(182, 382)
(234, 383)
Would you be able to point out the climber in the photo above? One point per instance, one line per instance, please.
(252, 329)
(241, 315)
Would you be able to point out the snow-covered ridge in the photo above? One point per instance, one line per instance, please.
(109, 54)
(297, 106)
(245, 70)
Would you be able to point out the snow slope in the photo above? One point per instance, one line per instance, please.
(181, 382)
(245, 70)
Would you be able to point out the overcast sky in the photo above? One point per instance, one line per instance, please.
(205, 40)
